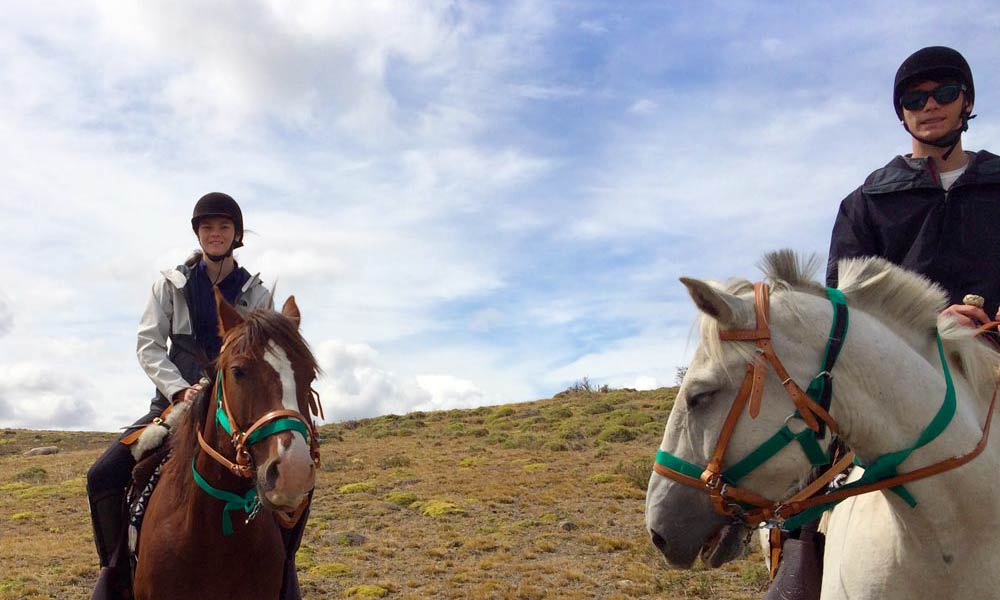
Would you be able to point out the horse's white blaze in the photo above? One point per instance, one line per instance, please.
(276, 356)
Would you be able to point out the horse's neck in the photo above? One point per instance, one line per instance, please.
(886, 394)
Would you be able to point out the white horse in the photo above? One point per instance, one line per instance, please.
(889, 385)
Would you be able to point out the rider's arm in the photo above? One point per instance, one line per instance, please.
(852, 235)
(151, 347)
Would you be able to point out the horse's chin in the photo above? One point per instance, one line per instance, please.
(724, 546)
(283, 506)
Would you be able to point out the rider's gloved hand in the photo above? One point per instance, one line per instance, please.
(187, 394)
(967, 315)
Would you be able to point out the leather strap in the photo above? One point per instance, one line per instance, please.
(291, 519)
(133, 436)
(774, 541)
(793, 506)
(237, 469)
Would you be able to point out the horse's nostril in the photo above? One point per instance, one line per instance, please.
(658, 540)
(271, 476)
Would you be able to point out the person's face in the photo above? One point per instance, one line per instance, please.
(934, 120)
(216, 234)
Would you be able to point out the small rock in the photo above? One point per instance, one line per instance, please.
(42, 450)
(624, 583)
(568, 526)
(349, 538)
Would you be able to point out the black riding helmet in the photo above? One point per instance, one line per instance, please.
(935, 63)
(217, 204)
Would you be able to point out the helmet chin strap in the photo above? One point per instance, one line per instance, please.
(221, 257)
(949, 141)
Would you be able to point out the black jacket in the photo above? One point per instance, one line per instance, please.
(902, 214)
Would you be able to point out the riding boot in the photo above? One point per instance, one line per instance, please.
(107, 513)
(292, 538)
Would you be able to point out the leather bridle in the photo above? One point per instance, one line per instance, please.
(273, 422)
(750, 508)
(269, 424)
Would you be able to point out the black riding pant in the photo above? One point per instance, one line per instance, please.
(113, 470)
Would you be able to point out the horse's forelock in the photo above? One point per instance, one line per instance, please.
(260, 327)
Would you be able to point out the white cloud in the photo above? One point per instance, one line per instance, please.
(32, 395)
(497, 196)
(645, 382)
(594, 27)
(643, 106)
(357, 385)
(6, 317)
(547, 92)
(448, 392)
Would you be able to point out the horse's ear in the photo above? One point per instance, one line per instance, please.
(715, 303)
(228, 317)
(291, 310)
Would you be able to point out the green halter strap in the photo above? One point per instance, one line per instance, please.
(820, 390)
(248, 502)
(276, 426)
(886, 465)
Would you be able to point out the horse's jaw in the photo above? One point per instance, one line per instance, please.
(683, 526)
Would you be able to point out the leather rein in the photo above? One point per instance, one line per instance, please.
(743, 505)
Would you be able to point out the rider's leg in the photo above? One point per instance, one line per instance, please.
(292, 539)
(106, 482)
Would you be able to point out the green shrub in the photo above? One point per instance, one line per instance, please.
(618, 433)
(400, 498)
(560, 412)
(33, 475)
(597, 407)
(330, 570)
(636, 472)
(503, 411)
(394, 462)
(357, 488)
(630, 417)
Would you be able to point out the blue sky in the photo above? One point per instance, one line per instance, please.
(473, 202)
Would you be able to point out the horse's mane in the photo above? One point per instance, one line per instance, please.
(906, 302)
(246, 340)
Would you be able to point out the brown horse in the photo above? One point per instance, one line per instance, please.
(248, 445)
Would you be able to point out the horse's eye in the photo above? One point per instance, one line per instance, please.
(695, 400)
(238, 372)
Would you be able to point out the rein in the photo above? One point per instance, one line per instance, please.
(813, 409)
(273, 422)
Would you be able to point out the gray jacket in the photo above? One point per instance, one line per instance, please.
(177, 365)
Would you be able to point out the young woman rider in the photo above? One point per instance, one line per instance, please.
(181, 309)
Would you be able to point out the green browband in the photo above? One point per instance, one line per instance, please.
(276, 426)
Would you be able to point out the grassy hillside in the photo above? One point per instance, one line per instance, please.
(537, 500)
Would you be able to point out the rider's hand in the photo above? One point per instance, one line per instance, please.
(969, 316)
(187, 394)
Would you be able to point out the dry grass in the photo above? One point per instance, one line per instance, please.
(467, 504)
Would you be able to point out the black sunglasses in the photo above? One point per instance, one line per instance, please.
(943, 94)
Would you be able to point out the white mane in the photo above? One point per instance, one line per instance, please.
(908, 303)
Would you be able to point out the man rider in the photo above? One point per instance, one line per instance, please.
(935, 211)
